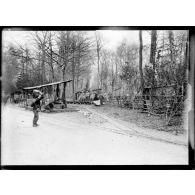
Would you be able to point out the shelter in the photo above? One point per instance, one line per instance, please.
(54, 92)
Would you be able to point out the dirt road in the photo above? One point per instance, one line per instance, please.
(73, 138)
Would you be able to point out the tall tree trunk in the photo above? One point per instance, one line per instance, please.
(40, 69)
(98, 55)
(26, 61)
(43, 65)
(101, 80)
(171, 42)
(153, 47)
(73, 71)
(171, 46)
(78, 67)
(51, 60)
(98, 42)
(186, 59)
(116, 76)
(23, 64)
(140, 68)
(152, 59)
(112, 80)
(140, 61)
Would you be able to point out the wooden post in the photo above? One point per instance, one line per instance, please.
(57, 91)
(64, 95)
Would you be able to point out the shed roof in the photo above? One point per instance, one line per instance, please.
(45, 85)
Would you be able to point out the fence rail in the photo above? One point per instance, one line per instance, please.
(161, 105)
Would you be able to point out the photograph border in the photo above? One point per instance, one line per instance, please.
(191, 136)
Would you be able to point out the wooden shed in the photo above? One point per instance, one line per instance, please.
(53, 93)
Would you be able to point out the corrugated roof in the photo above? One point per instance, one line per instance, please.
(48, 84)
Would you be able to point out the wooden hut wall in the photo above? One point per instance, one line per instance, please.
(50, 93)
(58, 91)
(54, 92)
(69, 92)
(61, 88)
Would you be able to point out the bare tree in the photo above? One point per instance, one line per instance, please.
(51, 56)
(98, 49)
(41, 39)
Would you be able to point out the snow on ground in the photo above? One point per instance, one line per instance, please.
(73, 138)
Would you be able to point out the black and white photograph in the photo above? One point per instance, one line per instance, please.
(105, 96)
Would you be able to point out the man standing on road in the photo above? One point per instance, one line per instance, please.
(37, 95)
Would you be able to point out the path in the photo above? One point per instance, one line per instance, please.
(71, 138)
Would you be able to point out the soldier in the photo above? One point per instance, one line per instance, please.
(37, 95)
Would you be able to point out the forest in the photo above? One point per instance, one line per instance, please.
(153, 68)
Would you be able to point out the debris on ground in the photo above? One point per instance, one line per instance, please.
(143, 120)
(92, 118)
